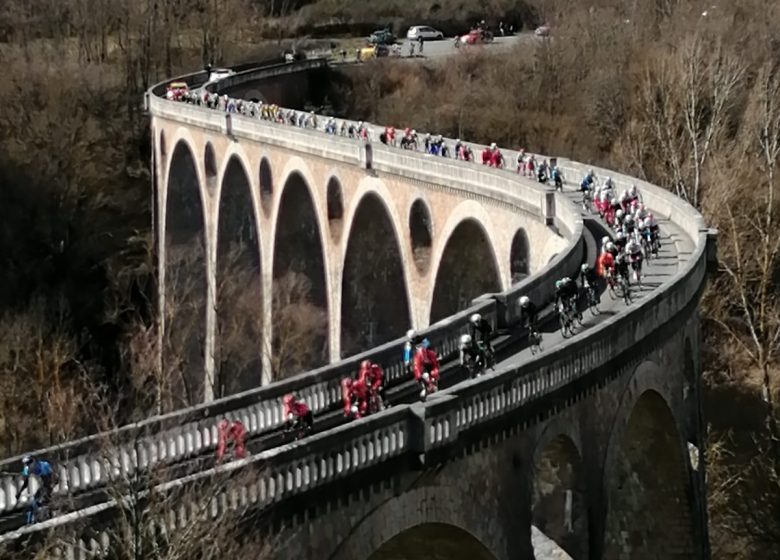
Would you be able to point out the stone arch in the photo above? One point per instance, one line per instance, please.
(239, 300)
(520, 256)
(185, 284)
(374, 301)
(266, 185)
(647, 488)
(559, 508)
(335, 200)
(434, 541)
(456, 284)
(453, 506)
(421, 234)
(300, 287)
(210, 168)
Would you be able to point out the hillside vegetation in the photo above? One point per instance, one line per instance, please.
(656, 89)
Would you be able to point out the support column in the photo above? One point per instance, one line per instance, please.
(211, 301)
(266, 344)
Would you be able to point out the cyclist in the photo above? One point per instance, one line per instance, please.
(480, 330)
(588, 182)
(234, 433)
(589, 280)
(469, 352)
(426, 367)
(372, 376)
(634, 252)
(297, 414)
(412, 340)
(621, 240)
(565, 292)
(43, 470)
(557, 178)
(605, 264)
(621, 266)
(529, 312)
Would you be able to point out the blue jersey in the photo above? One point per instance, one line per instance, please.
(408, 352)
(41, 468)
(587, 181)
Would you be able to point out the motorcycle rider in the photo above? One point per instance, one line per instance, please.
(426, 368)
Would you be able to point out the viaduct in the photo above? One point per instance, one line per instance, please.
(596, 442)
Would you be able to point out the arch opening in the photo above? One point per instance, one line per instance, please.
(647, 488)
(467, 269)
(300, 304)
(266, 186)
(185, 284)
(238, 349)
(433, 541)
(335, 208)
(559, 509)
(374, 302)
(421, 234)
(210, 162)
(519, 257)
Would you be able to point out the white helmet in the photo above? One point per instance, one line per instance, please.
(27, 459)
(465, 340)
(590, 173)
(493, 146)
(475, 318)
(524, 301)
(621, 234)
(610, 246)
(619, 214)
(410, 334)
(632, 190)
(609, 180)
(605, 240)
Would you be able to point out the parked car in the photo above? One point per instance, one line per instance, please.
(382, 37)
(374, 51)
(220, 74)
(427, 33)
(474, 37)
(542, 31)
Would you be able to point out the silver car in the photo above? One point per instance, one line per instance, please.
(423, 31)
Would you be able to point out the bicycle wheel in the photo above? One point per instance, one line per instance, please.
(626, 292)
(593, 303)
(563, 319)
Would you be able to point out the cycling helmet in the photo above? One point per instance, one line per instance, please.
(365, 364)
(558, 284)
(610, 246)
(27, 459)
(425, 343)
(621, 234)
(476, 318)
(493, 146)
(410, 334)
(524, 301)
(465, 340)
(632, 190)
(613, 201)
(605, 240)
(585, 268)
(619, 214)
(590, 173)
(289, 398)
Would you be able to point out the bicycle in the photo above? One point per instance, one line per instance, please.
(625, 287)
(535, 340)
(587, 201)
(592, 299)
(566, 323)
